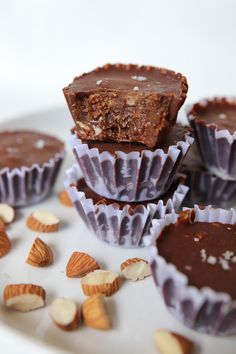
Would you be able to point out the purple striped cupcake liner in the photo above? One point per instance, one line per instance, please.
(203, 310)
(119, 226)
(217, 147)
(29, 185)
(130, 177)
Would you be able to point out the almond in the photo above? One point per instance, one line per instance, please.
(43, 221)
(5, 244)
(7, 213)
(40, 254)
(2, 225)
(24, 297)
(94, 312)
(100, 281)
(172, 343)
(65, 199)
(80, 264)
(64, 314)
(135, 269)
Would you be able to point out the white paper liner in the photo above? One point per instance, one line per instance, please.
(115, 226)
(204, 310)
(29, 185)
(130, 176)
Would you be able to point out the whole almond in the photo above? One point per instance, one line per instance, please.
(65, 199)
(24, 297)
(5, 243)
(40, 254)
(135, 268)
(172, 343)
(43, 221)
(94, 313)
(80, 264)
(100, 281)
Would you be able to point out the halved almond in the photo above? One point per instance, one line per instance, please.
(43, 221)
(80, 264)
(5, 244)
(40, 254)
(94, 312)
(65, 199)
(24, 297)
(172, 343)
(135, 269)
(100, 281)
(64, 314)
(7, 213)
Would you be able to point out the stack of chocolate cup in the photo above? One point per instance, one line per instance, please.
(213, 179)
(128, 147)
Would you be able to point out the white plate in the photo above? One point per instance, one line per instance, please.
(137, 311)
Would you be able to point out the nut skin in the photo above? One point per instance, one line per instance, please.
(40, 254)
(65, 199)
(94, 313)
(5, 244)
(35, 225)
(2, 225)
(80, 264)
(106, 289)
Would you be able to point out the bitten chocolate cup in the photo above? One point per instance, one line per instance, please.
(201, 308)
(214, 124)
(119, 223)
(135, 173)
(30, 166)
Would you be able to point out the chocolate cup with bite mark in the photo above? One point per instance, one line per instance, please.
(213, 122)
(120, 223)
(131, 172)
(200, 308)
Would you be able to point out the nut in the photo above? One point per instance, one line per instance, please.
(135, 269)
(172, 343)
(2, 225)
(40, 254)
(80, 264)
(100, 281)
(5, 244)
(94, 312)
(43, 221)
(64, 314)
(7, 213)
(65, 199)
(24, 297)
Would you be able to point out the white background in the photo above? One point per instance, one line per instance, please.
(45, 43)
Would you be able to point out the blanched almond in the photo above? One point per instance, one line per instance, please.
(65, 199)
(94, 312)
(7, 213)
(64, 314)
(24, 297)
(135, 269)
(100, 281)
(40, 254)
(5, 244)
(43, 221)
(172, 343)
(80, 264)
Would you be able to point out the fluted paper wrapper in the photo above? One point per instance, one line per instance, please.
(204, 309)
(130, 177)
(29, 185)
(119, 227)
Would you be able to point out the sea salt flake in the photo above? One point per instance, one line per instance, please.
(229, 228)
(138, 78)
(233, 259)
(212, 260)
(187, 267)
(203, 254)
(195, 239)
(98, 82)
(228, 255)
(12, 150)
(136, 88)
(39, 144)
(224, 263)
(222, 116)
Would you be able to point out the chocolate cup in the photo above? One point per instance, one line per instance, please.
(130, 177)
(29, 185)
(203, 310)
(119, 226)
(217, 147)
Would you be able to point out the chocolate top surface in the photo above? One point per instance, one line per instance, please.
(130, 77)
(97, 199)
(218, 111)
(177, 134)
(24, 148)
(204, 252)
